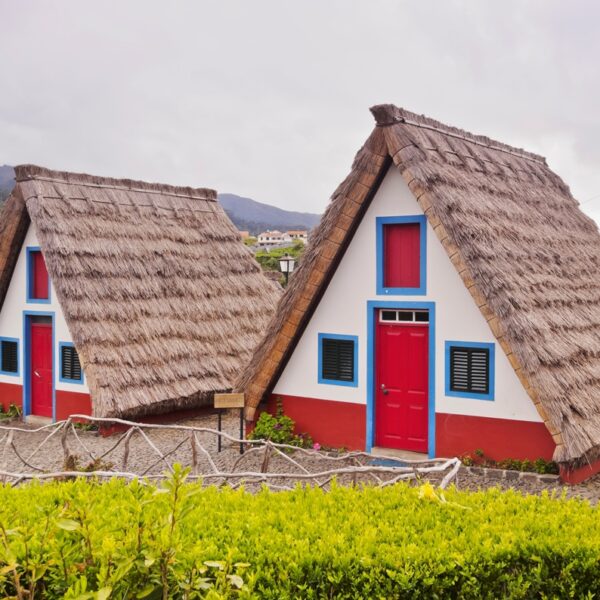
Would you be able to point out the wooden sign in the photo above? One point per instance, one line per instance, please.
(229, 400)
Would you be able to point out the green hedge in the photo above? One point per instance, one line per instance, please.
(90, 540)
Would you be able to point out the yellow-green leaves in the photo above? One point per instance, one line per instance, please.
(117, 540)
(67, 524)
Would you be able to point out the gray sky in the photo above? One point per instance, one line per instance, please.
(269, 99)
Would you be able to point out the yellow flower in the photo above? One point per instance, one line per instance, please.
(427, 492)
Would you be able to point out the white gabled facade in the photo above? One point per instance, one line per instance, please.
(342, 310)
(12, 325)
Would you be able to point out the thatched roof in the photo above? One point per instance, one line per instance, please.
(527, 254)
(164, 302)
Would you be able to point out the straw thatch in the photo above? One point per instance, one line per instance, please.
(163, 301)
(527, 254)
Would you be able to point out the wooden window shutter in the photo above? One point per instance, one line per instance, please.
(469, 370)
(10, 356)
(69, 364)
(338, 360)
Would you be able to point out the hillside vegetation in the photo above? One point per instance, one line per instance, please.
(269, 259)
(117, 540)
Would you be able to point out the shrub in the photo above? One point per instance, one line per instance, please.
(117, 540)
(279, 429)
(540, 465)
(12, 413)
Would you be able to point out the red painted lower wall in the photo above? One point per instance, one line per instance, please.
(344, 424)
(72, 403)
(11, 394)
(573, 476)
(67, 403)
(329, 423)
(498, 438)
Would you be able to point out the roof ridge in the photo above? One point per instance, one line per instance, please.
(390, 114)
(29, 172)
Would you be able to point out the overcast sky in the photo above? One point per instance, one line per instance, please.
(269, 99)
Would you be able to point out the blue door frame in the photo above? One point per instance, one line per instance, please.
(372, 307)
(27, 314)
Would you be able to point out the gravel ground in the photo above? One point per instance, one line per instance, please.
(141, 458)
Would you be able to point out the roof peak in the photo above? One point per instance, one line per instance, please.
(389, 114)
(33, 172)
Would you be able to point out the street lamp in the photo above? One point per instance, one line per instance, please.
(286, 265)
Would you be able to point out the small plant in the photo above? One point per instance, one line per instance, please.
(545, 466)
(73, 464)
(13, 412)
(279, 429)
(467, 460)
(540, 465)
(85, 426)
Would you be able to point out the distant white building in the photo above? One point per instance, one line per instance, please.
(277, 238)
(270, 238)
(297, 234)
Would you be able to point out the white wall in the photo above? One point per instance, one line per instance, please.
(343, 310)
(11, 318)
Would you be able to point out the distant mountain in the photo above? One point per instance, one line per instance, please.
(256, 217)
(7, 181)
(7, 176)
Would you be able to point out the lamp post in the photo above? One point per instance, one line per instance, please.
(286, 265)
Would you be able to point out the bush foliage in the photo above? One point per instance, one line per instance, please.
(269, 259)
(280, 429)
(116, 540)
(478, 458)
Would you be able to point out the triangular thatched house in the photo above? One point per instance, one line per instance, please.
(122, 298)
(449, 301)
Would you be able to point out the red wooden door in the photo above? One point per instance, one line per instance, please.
(401, 394)
(41, 369)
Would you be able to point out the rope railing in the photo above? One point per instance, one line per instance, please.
(53, 452)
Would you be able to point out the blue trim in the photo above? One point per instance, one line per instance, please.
(492, 374)
(336, 336)
(422, 289)
(30, 250)
(27, 360)
(62, 379)
(372, 307)
(18, 371)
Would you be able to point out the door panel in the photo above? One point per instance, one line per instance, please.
(41, 369)
(402, 249)
(402, 386)
(40, 277)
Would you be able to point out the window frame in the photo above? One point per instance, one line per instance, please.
(491, 348)
(31, 250)
(18, 371)
(337, 336)
(62, 379)
(381, 222)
